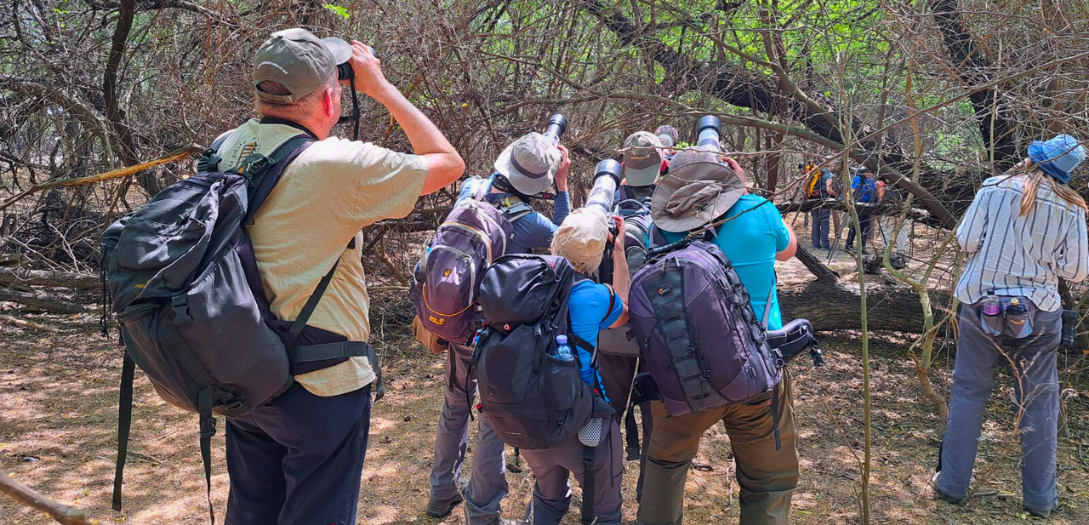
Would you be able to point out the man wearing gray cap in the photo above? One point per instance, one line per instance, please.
(299, 458)
(642, 163)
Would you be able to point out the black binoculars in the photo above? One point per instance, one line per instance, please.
(345, 71)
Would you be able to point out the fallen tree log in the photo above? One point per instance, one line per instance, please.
(56, 306)
(835, 306)
(75, 281)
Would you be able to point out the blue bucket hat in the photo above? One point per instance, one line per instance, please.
(1058, 156)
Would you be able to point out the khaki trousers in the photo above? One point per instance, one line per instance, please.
(766, 477)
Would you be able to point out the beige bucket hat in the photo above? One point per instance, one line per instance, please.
(530, 163)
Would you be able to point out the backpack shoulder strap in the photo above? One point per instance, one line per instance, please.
(767, 305)
(657, 238)
(481, 190)
(265, 173)
(209, 160)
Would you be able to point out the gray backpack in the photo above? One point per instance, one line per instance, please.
(192, 312)
(699, 336)
(447, 279)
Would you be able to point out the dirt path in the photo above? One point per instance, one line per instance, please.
(58, 424)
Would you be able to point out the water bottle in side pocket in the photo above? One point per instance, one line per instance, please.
(1018, 320)
(991, 308)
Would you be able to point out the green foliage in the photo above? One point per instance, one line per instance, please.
(338, 10)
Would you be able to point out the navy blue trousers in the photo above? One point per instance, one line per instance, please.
(298, 459)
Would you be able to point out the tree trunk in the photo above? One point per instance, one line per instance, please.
(56, 306)
(835, 306)
(75, 281)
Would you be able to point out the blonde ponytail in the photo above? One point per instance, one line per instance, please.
(1034, 176)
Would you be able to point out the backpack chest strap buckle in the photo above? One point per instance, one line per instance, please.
(180, 304)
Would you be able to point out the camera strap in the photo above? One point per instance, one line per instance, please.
(354, 117)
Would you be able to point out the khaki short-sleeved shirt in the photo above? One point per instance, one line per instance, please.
(326, 196)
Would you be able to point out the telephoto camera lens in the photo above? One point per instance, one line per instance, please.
(557, 124)
(709, 133)
(607, 177)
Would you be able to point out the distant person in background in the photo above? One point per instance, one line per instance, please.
(1023, 232)
(668, 136)
(864, 190)
(888, 222)
(819, 185)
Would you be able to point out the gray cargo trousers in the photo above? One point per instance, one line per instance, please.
(488, 484)
(1036, 384)
(552, 470)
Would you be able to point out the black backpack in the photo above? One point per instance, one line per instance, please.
(532, 399)
(193, 314)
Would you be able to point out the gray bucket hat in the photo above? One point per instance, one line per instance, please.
(642, 160)
(299, 61)
(693, 195)
(530, 163)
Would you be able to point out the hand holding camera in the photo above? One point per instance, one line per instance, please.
(561, 172)
(616, 236)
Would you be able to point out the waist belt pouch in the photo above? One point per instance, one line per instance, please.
(618, 341)
(1012, 325)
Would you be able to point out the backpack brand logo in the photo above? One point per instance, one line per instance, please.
(436, 320)
(665, 290)
(447, 272)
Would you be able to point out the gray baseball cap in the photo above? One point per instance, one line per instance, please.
(642, 160)
(299, 61)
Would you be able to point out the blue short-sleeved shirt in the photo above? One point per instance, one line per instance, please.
(750, 242)
(590, 313)
(533, 230)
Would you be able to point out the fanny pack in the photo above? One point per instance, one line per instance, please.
(1008, 324)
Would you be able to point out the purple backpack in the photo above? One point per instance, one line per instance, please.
(448, 277)
(697, 332)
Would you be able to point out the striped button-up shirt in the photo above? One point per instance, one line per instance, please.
(1021, 256)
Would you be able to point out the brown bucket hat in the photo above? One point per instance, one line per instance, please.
(693, 195)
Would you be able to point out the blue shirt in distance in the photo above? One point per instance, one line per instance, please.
(864, 188)
(750, 242)
(533, 230)
(590, 313)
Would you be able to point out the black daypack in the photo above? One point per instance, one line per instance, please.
(532, 399)
(193, 314)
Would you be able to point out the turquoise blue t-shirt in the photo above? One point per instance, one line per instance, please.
(750, 242)
(590, 313)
